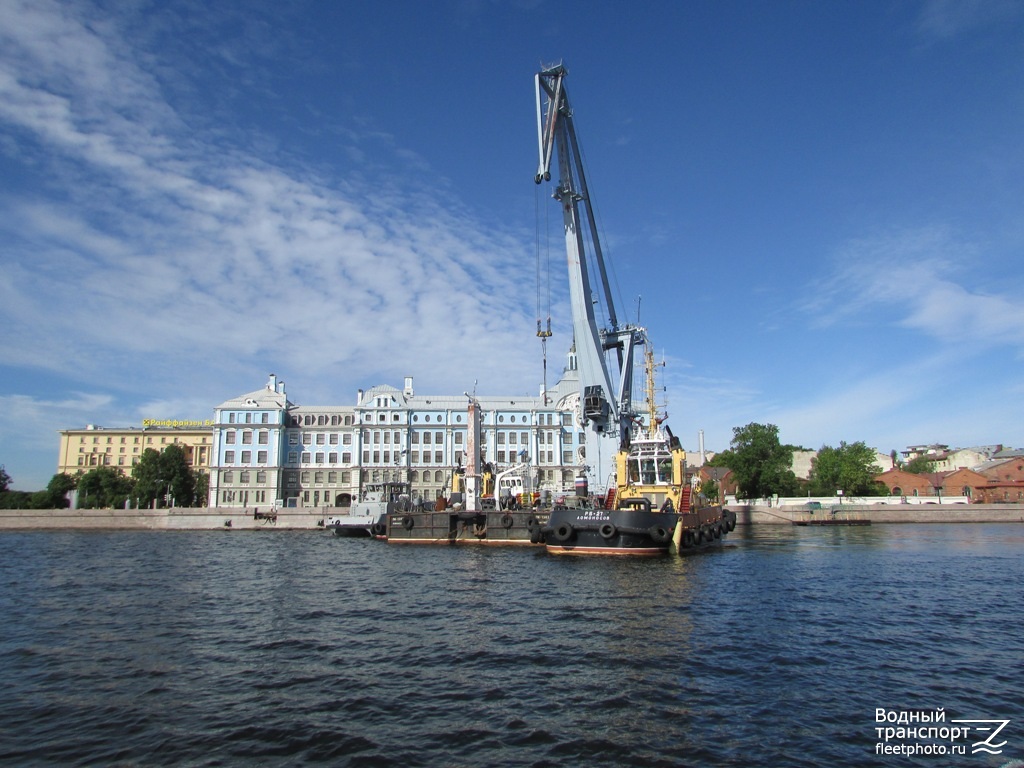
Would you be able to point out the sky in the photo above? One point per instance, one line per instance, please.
(816, 209)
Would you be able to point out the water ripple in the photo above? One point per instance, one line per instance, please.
(214, 648)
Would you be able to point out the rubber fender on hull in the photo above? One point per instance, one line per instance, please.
(378, 529)
(563, 532)
(689, 539)
(659, 533)
(507, 520)
(407, 522)
(607, 531)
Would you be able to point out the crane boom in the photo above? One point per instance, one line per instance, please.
(606, 410)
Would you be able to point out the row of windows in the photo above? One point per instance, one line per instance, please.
(135, 440)
(244, 477)
(332, 458)
(320, 438)
(245, 457)
(321, 420)
(248, 418)
(262, 437)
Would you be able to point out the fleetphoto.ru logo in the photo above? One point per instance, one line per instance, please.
(928, 732)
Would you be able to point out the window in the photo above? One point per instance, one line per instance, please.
(265, 418)
(458, 438)
(261, 477)
(512, 438)
(321, 438)
(426, 438)
(332, 458)
(346, 439)
(414, 457)
(346, 477)
(293, 438)
(228, 477)
(229, 437)
(524, 438)
(318, 477)
(293, 457)
(439, 438)
(376, 457)
(332, 477)
(246, 457)
(346, 458)
(334, 439)
(231, 418)
(501, 457)
(229, 457)
(247, 437)
(438, 457)
(261, 457)
(264, 437)
(306, 457)
(248, 418)
(319, 458)
(501, 438)
(366, 457)
(243, 477)
(304, 477)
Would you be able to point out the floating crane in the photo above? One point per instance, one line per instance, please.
(604, 354)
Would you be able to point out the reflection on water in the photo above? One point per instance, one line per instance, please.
(285, 647)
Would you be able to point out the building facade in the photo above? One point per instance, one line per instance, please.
(121, 447)
(270, 451)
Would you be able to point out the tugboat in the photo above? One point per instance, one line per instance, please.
(368, 517)
(653, 511)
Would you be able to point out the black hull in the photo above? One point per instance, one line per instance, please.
(609, 531)
(634, 531)
(493, 527)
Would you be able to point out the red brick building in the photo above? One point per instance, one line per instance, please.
(960, 482)
(1004, 481)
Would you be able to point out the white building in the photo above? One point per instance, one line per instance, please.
(267, 451)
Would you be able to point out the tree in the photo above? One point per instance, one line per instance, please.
(202, 484)
(104, 487)
(5, 479)
(158, 475)
(848, 468)
(761, 465)
(57, 490)
(919, 465)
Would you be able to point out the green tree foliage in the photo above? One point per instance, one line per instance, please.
(709, 489)
(761, 465)
(57, 490)
(159, 474)
(202, 485)
(850, 468)
(919, 465)
(5, 479)
(104, 487)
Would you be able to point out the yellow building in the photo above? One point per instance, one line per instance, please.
(121, 448)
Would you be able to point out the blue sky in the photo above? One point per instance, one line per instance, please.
(816, 207)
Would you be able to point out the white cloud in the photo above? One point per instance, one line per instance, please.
(927, 281)
(162, 249)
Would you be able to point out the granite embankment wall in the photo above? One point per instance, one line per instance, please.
(233, 519)
(884, 513)
(176, 518)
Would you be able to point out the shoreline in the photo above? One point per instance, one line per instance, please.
(305, 518)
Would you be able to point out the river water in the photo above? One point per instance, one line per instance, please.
(287, 648)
